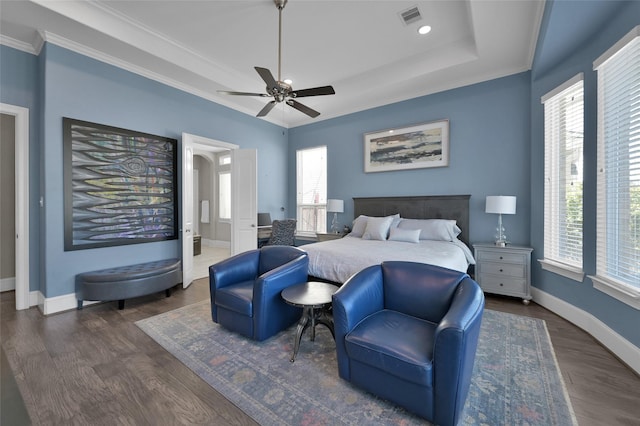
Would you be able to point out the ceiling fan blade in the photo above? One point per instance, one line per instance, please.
(268, 107)
(316, 91)
(226, 92)
(303, 108)
(268, 78)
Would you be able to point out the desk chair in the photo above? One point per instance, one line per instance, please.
(283, 233)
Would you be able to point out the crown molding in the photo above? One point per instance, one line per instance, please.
(18, 45)
(81, 49)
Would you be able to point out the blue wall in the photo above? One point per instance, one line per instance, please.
(72, 85)
(617, 315)
(489, 152)
(19, 86)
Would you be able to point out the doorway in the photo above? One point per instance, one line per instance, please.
(243, 230)
(21, 143)
(212, 238)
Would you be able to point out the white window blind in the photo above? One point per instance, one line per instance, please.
(563, 189)
(311, 183)
(618, 187)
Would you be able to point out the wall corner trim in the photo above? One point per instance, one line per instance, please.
(621, 347)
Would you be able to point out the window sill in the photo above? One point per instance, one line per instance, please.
(571, 272)
(622, 292)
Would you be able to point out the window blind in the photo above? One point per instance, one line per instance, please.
(563, 189)
(311, 189)
(312, 176)
(618, 187)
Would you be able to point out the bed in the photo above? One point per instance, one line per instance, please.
(426, 229)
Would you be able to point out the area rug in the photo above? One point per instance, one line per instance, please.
(516, 380)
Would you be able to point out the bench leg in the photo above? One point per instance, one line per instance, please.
(121, 304)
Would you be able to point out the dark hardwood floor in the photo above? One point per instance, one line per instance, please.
(95, 366)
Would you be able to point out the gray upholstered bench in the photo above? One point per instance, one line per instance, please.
(125, 282)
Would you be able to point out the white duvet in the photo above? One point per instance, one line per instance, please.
(337, 260)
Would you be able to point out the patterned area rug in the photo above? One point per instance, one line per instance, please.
(516, 380)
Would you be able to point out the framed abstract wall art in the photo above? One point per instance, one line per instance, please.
(421, 146)
(120, 186)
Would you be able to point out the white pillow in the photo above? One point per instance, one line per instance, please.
(360, 223)
(433, 229)
(396, 220)
(377, 228)
(406, 235)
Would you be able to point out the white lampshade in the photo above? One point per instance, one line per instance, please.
(335, 206)
(501, 204)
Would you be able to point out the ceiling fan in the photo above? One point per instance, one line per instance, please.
(279, 90)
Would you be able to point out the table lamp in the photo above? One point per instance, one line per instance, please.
(500, 204)
(335, 207)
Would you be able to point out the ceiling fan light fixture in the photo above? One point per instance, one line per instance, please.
(281, 90)
(424, 29)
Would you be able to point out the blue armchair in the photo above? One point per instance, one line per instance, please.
(245, 290)
(408, 332)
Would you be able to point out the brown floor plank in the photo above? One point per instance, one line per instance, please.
(95, 366)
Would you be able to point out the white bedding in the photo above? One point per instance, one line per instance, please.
(337, 260)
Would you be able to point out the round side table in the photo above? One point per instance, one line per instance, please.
(315, 299)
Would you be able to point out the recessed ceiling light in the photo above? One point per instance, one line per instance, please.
(425, 29)
(288, 81)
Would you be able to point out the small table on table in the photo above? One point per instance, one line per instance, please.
(314, 298)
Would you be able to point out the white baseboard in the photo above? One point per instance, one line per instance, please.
(57, 304)
(7, 284)
(621, 347)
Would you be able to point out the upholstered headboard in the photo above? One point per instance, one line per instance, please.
(419, 207)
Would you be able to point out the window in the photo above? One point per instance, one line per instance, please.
(224, 159)
(618, 174)
(224, 195)
(224, 186)
(563, 144)
(311, 183)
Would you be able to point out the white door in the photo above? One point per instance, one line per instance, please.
(187, 211)
(244, 200)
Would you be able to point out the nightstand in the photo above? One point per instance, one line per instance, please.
(504, 270)
(329, 236)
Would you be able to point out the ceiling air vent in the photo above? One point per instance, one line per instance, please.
(411, 15)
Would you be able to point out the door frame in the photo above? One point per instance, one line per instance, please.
(21, 117)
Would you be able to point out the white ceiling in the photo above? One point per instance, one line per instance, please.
(362, 48)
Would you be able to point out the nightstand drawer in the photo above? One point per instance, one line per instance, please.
(495, 256)
(506, 269)
(503, 285)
